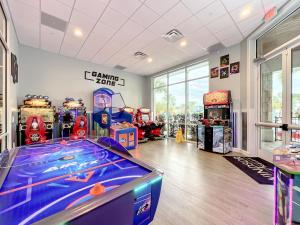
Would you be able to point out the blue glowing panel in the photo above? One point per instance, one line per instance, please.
(46, 179)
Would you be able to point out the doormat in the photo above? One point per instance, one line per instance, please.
(256, 168)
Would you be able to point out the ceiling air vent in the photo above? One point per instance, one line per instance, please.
(173, 35)
(53, 22)
(119, 67)
(140, 55)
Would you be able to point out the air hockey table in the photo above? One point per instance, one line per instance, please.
(77, 182)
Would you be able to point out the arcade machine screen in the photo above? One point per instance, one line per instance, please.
(214, 113)
(145, 118)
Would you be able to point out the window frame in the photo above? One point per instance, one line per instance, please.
(186, 83)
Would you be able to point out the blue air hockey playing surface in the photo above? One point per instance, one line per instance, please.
(76, 182)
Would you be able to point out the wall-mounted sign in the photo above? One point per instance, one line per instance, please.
(104, 79)
(14, 68)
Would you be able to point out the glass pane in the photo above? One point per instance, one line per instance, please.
(177, 103)
(191, 132)
(2, 24)
(271, 90)
(270, 138)
(295, 136)
(196, 90)
(173, 128)
(160, 104)
(279, 35)
(296, 86)
(2, 92)
(177, 76)
(197, 71)
(160, 81)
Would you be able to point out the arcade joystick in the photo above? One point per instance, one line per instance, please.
(63, 142)
(98, 189)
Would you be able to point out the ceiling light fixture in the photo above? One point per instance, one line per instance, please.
(149, 60)
(78, 32)
(183, 43)
(246, 12)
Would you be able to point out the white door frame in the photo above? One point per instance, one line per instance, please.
(253, 78)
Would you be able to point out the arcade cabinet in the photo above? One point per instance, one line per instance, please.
(151, 130)
(110, 118)
(35, 130)
(35, 107)
(68, 113)
(215, 132)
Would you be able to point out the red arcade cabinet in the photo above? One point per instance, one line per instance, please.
(35, 130)
(80, 128)
(150, 129)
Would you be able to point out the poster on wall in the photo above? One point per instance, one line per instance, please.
(214, 72)
(224, 60)
(224, 72)
(14, 68)
(235, 68)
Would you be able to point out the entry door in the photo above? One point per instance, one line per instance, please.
(279, 101)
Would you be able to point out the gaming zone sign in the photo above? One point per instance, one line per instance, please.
(104, 79)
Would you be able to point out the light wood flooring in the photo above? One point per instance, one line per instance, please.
(203, 188)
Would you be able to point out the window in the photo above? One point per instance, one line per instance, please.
(178, 98)
(3, 95)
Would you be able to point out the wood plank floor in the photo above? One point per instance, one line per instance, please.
(202, 188)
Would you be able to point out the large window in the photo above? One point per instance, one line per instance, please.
(178, 98)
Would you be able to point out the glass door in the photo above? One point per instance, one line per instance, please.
(279, 101)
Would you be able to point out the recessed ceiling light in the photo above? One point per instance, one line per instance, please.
(149, 59)
(183, 43)
(78, 32)
(245, 12)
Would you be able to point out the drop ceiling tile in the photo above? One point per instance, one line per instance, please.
(160, 27)
(127, 8)
(227, 33)
(94, 8)
(116, 59)
(127, 32)
(113, 19)
(190, 25)
(107, 51)
(82, 21)
(32, 3)
(51, 39)
(144, 16)
(250, 24)
(91, 46)
(160, 6)
(57, 9)
(196, 5)
(234, 4)
(255, 7)
(211, 12)
(232, 40)
(221, 23)
(204, 38)
(177, 14)
(129, 61)
(155, 46)
(103, 31)
(67, 2)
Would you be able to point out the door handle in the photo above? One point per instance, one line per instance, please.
(284, 127)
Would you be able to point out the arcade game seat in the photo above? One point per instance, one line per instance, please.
(80, 128)
(152, 130)
(35, 130)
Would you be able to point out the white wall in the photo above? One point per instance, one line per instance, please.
(58, 77)
(12, 89)
(233, 81)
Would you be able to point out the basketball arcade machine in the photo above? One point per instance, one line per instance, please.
(215, 133)
(72, 116)
(111, 119)
(36, 118)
